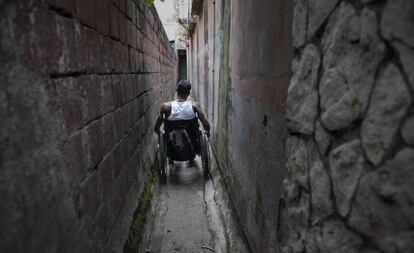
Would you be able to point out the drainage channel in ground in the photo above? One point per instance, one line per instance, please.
(191, 214)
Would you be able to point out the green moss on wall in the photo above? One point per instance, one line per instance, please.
(138, 223)
(221, 143)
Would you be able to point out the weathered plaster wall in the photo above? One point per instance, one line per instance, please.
(81, 82)
(350, 183)
(243, 85)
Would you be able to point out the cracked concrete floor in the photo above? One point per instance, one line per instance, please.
(186, 217)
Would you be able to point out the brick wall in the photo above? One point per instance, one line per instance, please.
(81, 82)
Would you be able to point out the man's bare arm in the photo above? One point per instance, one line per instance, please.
(202, 118)
(160, 119)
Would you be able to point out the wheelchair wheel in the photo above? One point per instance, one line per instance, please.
(162, 153)
(205, 155)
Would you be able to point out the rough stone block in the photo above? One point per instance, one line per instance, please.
(302, 100)
(383, 210)
(389, 103)
(332, 236)
(348, 165)
(318, 12)
(406, 56)
(346, 83)
(407, 130)
(397, 22)
(322, 137)
(320, 186)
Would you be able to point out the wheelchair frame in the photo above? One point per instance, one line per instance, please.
(162, 155)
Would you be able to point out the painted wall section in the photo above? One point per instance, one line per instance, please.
(350, 155)
(81, 84)
(241, 65)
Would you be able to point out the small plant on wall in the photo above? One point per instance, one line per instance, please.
(148, 3)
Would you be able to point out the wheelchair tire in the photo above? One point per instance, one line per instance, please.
(162, 152)
(205, 156)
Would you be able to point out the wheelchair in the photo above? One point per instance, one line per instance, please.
(201, 139)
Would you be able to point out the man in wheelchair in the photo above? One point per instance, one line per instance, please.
(180, 118)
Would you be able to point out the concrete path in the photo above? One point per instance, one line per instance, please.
(186, 217)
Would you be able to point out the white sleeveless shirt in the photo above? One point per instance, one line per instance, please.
(181, 111)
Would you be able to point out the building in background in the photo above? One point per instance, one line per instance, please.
(176, 18)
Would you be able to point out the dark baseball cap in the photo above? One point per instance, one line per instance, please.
(184, 86)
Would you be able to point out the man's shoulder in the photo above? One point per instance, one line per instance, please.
(165, 106)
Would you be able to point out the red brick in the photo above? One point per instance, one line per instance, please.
(131, 54)
(124, 124)
(74, 151)
(108, 133)
(102, 20)
(92, 96)
(105, 178)
(133, 14)
(122, 6)
(67, 5)
(130, 7)
(122, 28)
(110, 59)
(89, 195)
(129, 33)
(117, 160)
(82, 45)
(123, 59)
(134, 35)
(129, 175)
(104, 220)
(86, 11)
(118, 133)
(124, 88)
(64, 57)
(69, 100)
(116, 91)
(107, 98)
(116, 3)
(114, 23)
(94, 138)
(95, 51)
(34, 32)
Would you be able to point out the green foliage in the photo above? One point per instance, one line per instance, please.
(148, 3)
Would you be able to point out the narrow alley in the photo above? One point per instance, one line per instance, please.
(301, 114)
(191, 215)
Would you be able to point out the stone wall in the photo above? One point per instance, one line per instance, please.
(241, 61)
(81, 83)
(350, 182)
